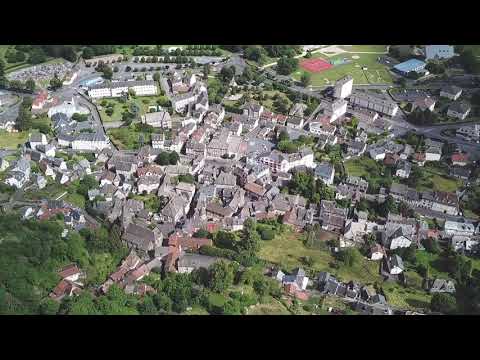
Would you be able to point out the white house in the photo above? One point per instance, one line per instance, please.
(119, 88)
(451, 92)
(180, 101)
(438, 52)
(459, 110)
(337, 109)
(17, 179)
(433, 154)
(377, 252)
(395, 265)
(452, 228)
(326, 172)
(399, 240)
(37, 139)
(68, 108)
(90, 142)
(374, 103)
(148, 184)
(4, 164)
(343, 87)
(280, 162)
(403, 169)
(471, 132)
(159, 119)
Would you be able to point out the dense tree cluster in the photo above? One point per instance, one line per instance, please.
(31, 253)
(286, 65)
(167, 158)
(24, 119)
(422, 117)
(188, 50)
(469, 62)
(304, 184)
(435, 67)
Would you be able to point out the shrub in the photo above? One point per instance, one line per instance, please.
(267, 234)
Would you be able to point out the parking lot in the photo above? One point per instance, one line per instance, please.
(41, 73)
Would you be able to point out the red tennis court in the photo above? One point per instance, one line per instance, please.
(315, 65)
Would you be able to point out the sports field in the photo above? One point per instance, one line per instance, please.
(364, 69)
(364, 48)
(315, 65)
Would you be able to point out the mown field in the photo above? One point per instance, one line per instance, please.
(375, 72)
(364, 48)
(287, 251)
(143, 102)
(11, 141)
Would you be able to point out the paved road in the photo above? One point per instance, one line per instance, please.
(438, 215)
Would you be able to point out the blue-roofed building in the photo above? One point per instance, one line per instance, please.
(436, 52)
(410, 65)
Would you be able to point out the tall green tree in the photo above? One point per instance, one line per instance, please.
(444, 303)
(306, 79)
(221, 276)
(56, 83)
(30, 84)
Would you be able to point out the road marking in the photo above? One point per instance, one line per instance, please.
(65, 193)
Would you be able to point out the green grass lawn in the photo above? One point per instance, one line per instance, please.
(406, 298)
(51, 191)
(376, 73)
(272, 307)
(359, 167)
(433, 181)
(118, 107)
(268, 104)
(364, 48)
(197, 310)
(128, 137)
(435, 263)
(12, 140)
(75, 199)
(474, 48)
(10, 66)
(286, 250)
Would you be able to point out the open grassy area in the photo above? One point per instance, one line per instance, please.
(406, 298)
(474, 48)
(12, 140)
(435, 263)
(128, 137)
(10, 66)
(364, 48)
(196, 310)
(273, 307)
(433, 180)
(359, 167)
(119, 107)
(376, 73)
(287, 250)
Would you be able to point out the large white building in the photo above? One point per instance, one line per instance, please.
(471, 132)
(118, 88)
(68, 108)
(459, 228)
(336, 109)
(371, 102)
(343, 87)
(437, 52)
(90, 142)
(280, 162)
(160, 119)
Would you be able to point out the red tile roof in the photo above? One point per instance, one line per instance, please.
(62, 288)
(419, 156)
(69, 271)
(255, 188)
(460, 157)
